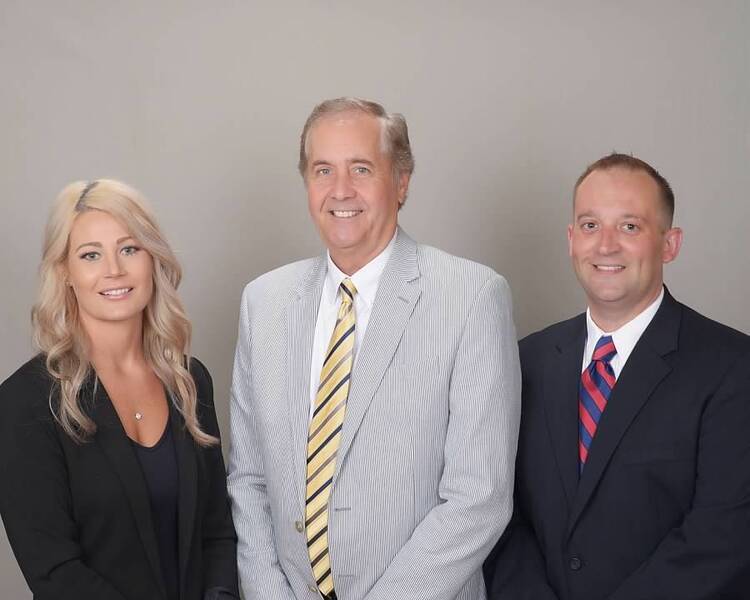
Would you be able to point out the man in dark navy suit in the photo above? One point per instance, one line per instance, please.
(633, 469)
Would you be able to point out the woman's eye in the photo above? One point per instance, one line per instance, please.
(90, 255)
(130, 250)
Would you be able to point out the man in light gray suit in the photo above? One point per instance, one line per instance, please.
(375, 395)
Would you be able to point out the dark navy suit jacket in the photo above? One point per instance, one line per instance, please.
(662, 508)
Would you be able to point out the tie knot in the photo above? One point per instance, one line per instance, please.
(605, 349)
(347, 289)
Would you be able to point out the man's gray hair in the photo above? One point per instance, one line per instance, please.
(394, 132)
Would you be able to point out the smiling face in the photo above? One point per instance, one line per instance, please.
(353, 196)
(619, 241)
(110, 274)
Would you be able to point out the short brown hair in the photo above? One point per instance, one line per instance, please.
(395, 133)
(632, 163)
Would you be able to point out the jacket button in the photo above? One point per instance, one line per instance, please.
(575, 563)
(299, 526)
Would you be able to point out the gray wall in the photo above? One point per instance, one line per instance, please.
(200, 104)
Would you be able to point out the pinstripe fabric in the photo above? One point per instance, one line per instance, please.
(422, 486)
(325, 435)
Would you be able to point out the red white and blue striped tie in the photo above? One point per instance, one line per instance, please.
(596, 385)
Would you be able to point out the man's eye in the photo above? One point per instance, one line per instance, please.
(361, 170)
(630, 227)
(323, 171)
(90, 255)
(129, 250)
(588, 226)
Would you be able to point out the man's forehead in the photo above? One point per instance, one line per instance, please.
(346, 119)
(619, 179)
(344, 132)
(615, 187)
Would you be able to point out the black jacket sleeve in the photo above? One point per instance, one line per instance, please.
(35, 500)
(515, 568)
(219, 537)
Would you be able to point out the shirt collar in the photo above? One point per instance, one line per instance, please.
(626, 337)
(366, 280)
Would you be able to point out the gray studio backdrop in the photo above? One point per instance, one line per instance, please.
(200, 104)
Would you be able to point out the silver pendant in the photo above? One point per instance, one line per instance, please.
(138, 416)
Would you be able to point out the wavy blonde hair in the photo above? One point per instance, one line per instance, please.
(58, 331)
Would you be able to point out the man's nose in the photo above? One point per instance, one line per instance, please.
(608, 240)
(342, 186)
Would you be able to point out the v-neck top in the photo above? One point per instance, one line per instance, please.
(159, 466)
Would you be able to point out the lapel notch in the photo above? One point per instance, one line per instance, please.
(302, 314)
(397, 295)
(645, 368)
(115, 444)
(561, 402)
(188, 488)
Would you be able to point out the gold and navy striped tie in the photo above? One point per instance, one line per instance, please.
(325, 436)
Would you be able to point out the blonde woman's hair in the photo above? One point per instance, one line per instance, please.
(58, 331)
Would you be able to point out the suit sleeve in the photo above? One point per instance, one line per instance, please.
(35, 499)
(260, 573)
(219, 539)
(708, 555)
(476, 486)
(515, 569)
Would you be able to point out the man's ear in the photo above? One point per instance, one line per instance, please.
(403, 187)
(570, 240)
(672, 244)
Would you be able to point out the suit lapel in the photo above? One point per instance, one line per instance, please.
(111, 438)
(560, 393)
(645, 368)
(394, 302)
(301, 317)
(188, 487)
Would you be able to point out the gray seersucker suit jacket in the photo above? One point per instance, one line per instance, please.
(424, 475)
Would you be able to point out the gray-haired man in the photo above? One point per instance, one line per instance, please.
(376, 390)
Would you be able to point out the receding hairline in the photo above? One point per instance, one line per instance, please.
(626, 163)
(340, 115)
(394, 131)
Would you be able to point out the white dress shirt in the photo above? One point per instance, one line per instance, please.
(625, 338)
(366, 280)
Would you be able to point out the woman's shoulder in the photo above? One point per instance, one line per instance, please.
(204, 406)
(200, 374)
(28, 388)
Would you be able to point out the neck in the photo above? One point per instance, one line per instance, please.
(115, 345)
(349, 262)
(351, 266)
(611, 318)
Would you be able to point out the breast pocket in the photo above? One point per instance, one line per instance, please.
(655, 453)
(410, 387)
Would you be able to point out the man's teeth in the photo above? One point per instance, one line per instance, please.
(345, 213)
(118, 292)
(609, 267)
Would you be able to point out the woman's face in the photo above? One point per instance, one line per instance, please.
(111, 275)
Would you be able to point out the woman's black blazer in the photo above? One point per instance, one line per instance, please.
(78, 516)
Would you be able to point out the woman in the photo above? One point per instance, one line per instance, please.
(112, 482)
